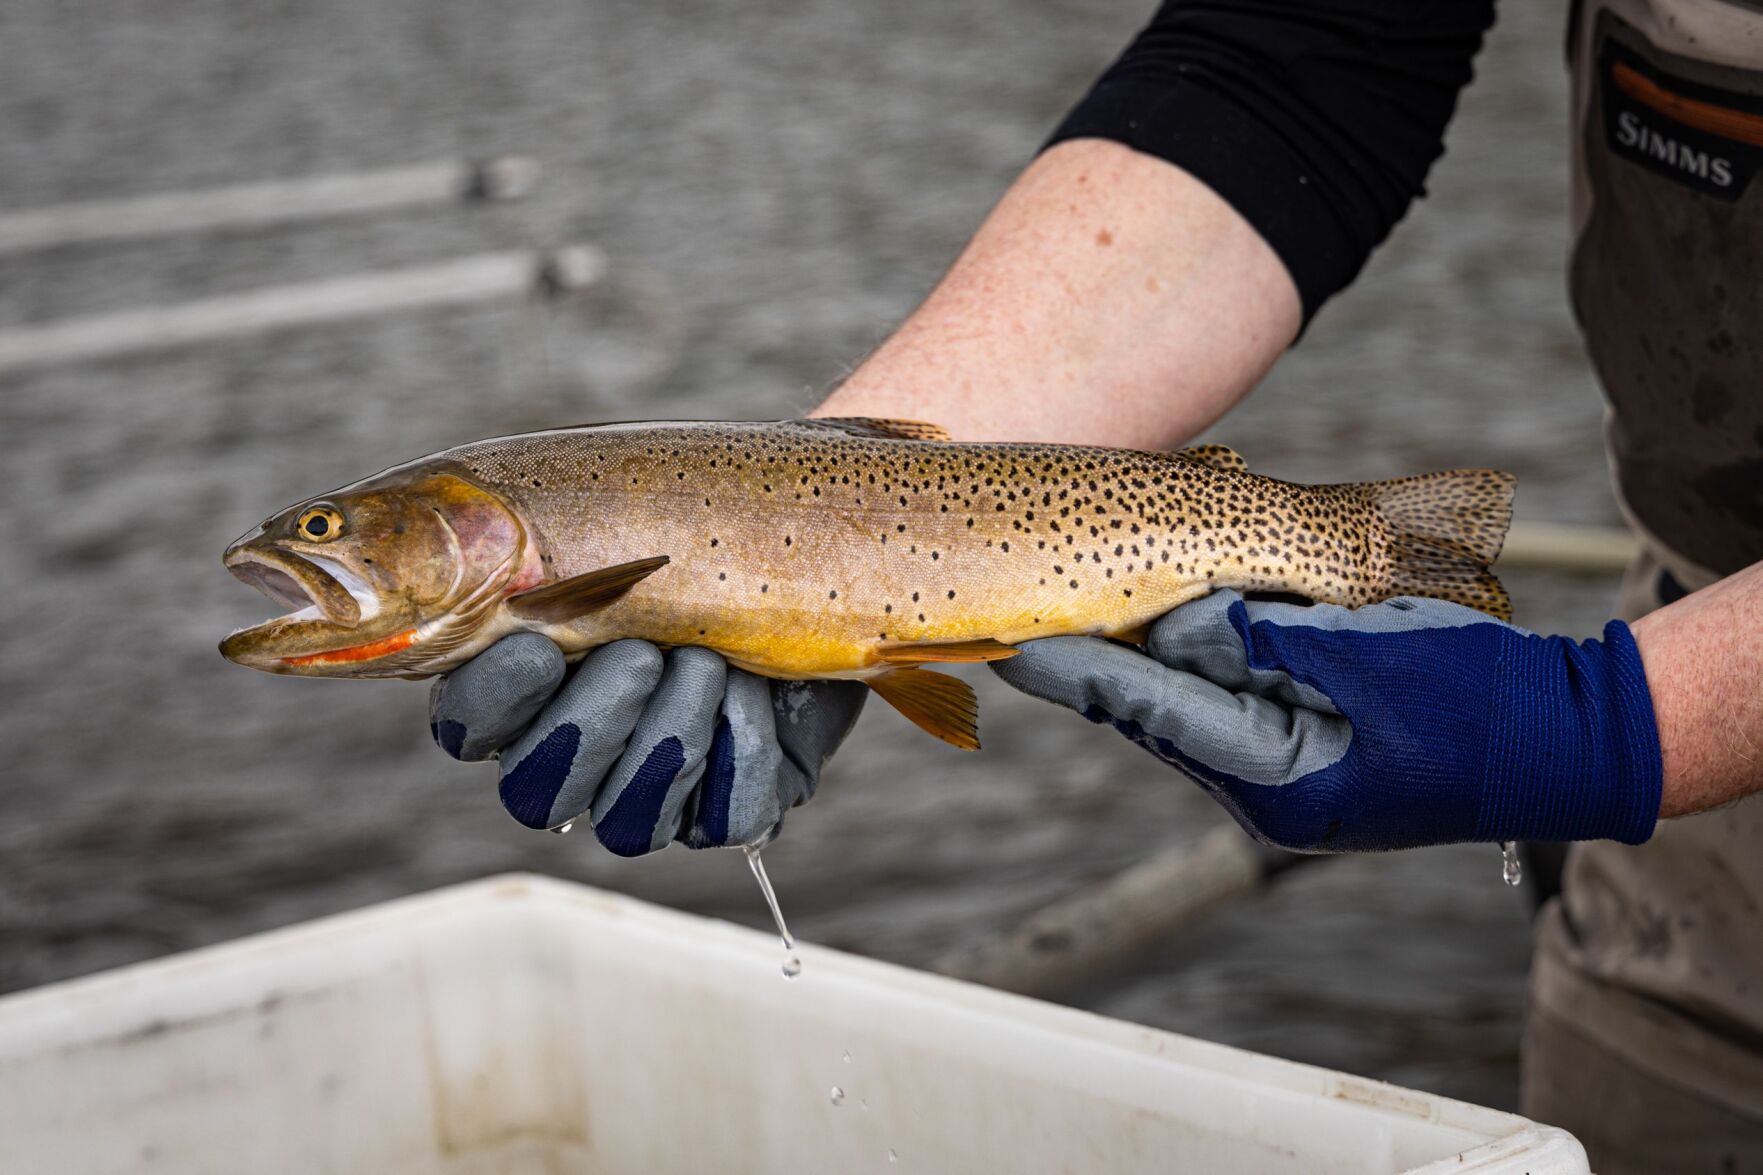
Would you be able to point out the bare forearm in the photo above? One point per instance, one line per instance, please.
(1704, 660)
(1109, 299)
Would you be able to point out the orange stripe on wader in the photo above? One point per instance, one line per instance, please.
(1691, 112)
(367, 652)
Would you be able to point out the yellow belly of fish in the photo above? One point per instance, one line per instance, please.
(792, 640)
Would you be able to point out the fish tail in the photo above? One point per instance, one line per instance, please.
(1444, 531)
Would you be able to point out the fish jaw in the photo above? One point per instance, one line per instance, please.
(300, 583)
(340, 627)
(330, 609)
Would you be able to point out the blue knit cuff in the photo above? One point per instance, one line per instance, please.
(1637, 737)
(1573, 749)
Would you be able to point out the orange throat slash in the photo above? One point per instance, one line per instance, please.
(397, 642)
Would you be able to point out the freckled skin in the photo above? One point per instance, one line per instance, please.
(799, 549)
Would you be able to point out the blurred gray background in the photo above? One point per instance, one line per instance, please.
(776, 184)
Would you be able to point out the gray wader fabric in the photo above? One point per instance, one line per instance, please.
(1645, 1030)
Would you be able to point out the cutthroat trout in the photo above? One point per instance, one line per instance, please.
(839, 548)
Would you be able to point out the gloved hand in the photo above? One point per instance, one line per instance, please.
(650, 747)
(1411, 722)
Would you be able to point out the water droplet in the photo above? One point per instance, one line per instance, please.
(564, 827)
(1511, 869)
(838, 1096)
(792, 967)
(847, 1056)
(892, 1157)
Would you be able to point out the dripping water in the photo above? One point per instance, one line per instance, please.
(792, 965)
(1511, 869)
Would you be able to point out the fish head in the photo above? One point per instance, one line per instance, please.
(396, 576)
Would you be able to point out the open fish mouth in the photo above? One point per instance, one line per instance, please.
(310, 587)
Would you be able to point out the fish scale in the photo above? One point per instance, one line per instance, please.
(861, 548)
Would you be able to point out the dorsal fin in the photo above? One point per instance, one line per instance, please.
(983, 649)
(563, 600)
(876, 426)
(936, 703)
(1221, 457)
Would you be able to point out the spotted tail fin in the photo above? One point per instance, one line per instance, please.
(1444, 533)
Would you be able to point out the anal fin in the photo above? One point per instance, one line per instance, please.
(951, 652)
(563, 600)
(936, 703)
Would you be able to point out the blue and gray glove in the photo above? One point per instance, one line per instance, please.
(650, 747)
(1411, 722)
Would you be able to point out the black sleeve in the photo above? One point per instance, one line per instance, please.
(1315, 119)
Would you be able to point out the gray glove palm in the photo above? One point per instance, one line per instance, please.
(649, 746)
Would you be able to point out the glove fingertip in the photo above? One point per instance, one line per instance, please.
(1054, 656)
(634, 665)
(1179, 626)
(530, 653)
(705, 673)
(449, 736)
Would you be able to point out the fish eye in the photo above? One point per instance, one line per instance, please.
(319, 524)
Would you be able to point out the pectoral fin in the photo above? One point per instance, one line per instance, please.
(563, 600)
(984, 649)
(1216, 456)
(936, 703)
(876, 426)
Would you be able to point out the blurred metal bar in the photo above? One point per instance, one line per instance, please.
(1091, 934)
(272, 202)
(1549, 546)
(485, 277)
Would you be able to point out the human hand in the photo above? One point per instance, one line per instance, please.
(1410, 722)
(649, 746)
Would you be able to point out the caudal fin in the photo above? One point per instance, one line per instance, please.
(1445, 531)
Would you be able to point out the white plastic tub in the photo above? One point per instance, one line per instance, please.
(522, 1024)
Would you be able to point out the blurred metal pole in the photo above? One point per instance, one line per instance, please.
(1550, 546)
(255, 205)
(485, 277)
(1094, 933)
